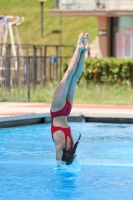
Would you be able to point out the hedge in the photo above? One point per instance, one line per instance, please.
(107, 70)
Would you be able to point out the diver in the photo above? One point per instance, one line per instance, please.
(62, 104)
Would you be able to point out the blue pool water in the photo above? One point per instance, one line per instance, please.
(105, 153)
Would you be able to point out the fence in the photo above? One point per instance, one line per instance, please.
(37, 64)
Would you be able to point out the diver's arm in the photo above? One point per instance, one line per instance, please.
(59, 152)
(59, 140)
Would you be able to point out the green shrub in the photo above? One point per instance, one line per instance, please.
(107, 70)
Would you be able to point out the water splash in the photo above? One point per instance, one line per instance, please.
(74, 167)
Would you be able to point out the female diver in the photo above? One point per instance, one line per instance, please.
(62, 104)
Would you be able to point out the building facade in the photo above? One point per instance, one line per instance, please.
(115, 23)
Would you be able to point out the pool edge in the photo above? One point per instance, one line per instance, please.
(31, 119)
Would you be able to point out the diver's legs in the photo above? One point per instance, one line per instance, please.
(61, 92)
(78, 71)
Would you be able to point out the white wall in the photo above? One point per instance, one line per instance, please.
(91, 4)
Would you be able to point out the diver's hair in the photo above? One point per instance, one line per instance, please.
(68, 155)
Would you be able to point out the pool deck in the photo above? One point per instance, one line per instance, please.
(13, 114)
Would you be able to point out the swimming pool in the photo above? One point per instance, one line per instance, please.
(27, 164)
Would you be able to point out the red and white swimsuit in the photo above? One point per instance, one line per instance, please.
(65, 111)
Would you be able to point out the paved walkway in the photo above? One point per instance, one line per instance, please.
(19, 109)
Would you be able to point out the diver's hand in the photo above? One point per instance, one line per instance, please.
(61, 164)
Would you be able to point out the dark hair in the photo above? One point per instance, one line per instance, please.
(69, 155)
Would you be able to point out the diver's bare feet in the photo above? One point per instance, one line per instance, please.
(80, 45)
(86, 41)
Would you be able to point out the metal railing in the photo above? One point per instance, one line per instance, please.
(38, 65)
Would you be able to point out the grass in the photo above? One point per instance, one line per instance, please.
(91, 94)
(104, 94)
(29, 30)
